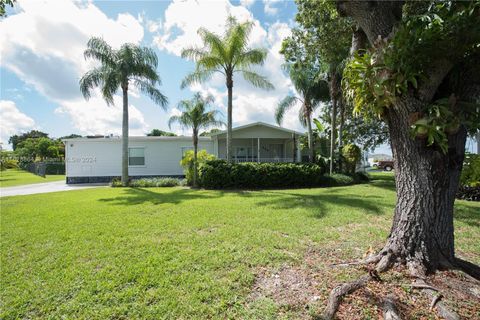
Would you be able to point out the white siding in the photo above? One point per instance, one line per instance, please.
(102, 157)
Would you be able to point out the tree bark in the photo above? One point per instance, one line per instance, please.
(195, 158)
(426, 180)
(229, 117)
(310, 138)
(125, 136)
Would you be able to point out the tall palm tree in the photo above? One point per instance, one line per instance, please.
(195, 115)
(312, 90)
(120, 68)
(227, 54)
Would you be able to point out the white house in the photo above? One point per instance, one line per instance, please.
(99, 159)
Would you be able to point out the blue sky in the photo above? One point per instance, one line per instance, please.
(42, 43)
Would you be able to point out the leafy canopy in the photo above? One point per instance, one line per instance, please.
(446, 32)
(196, 114)
(129, 65)
(226, 54)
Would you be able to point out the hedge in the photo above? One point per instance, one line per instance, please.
(218, 174)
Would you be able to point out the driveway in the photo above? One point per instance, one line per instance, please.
(55, 186)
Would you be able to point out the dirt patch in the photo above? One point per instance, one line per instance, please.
(304, 289)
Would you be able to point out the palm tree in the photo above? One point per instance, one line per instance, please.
(120, 68)
(227, 54)
(195, 115)
(312, 90)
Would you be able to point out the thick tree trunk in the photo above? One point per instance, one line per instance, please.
(229, 117)
(125, 136)
(311, 154)
(195, 158)
(426, 181)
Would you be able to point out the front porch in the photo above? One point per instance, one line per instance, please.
(259, 142)
(261, 150)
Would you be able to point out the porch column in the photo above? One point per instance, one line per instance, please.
(258, 149)
(299, 152)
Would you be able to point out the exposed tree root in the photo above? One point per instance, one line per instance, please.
(339, 292)
(384, 261)
(390, 311)
(442, 310)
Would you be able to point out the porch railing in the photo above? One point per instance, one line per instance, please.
(254, 159)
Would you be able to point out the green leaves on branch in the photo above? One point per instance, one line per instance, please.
(370, 85)
(438, 121)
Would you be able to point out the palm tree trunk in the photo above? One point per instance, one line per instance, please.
(125, 136)
(195, 162)
(310, 138)
(341, 107)
(229, 117)
(332, 134)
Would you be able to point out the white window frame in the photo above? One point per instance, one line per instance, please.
(144, 158)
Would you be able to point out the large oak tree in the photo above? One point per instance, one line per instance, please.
(420, 72)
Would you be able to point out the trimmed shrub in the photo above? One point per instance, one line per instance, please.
(361, 177)
(469, 193)
(8, 164)
(337, 179)
(218, 174)
(151, 182)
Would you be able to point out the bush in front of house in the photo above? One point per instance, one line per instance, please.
(187, 163)
(219, 174)
(469, 188)
(151, 182)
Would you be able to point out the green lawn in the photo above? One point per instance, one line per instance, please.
(13, 177)
(177, 253)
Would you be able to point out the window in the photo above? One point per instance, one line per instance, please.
(184, 151)
(136, 156)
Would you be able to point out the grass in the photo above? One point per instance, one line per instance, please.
(16, 177)
(176, 253)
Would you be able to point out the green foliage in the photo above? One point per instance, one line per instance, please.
(3, 4)
(471, 170)
(352, 154)
(8, 164)
(160, 133)
(219, 174)
(43, 147)
(226, 54)
(338, 179)
(15, 140)
(151, 182)
(131, 65)
(187, 163)
(446, 31)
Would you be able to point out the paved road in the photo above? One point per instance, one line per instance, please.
(45, 188)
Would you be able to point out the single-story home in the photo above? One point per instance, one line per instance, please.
(99, 159)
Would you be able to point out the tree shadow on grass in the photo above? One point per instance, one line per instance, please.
(317, 203)
(467, 213)
(134, 196)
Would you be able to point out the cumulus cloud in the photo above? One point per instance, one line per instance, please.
(246, 3)
(179, 31)
(269, 7)
(45, 50)
(13, 121)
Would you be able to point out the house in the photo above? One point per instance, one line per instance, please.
(98, 159)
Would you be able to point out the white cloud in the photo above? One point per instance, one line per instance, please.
(246, 3)
(95, 117)
(179, 30)
(269, 7)
(13, 121)
(43, 45)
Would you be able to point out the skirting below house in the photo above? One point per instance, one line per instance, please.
(107, 179)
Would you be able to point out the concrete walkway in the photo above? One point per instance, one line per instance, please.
(55, 186)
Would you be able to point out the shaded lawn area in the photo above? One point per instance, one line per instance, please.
(16, 177)
(184, 254)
